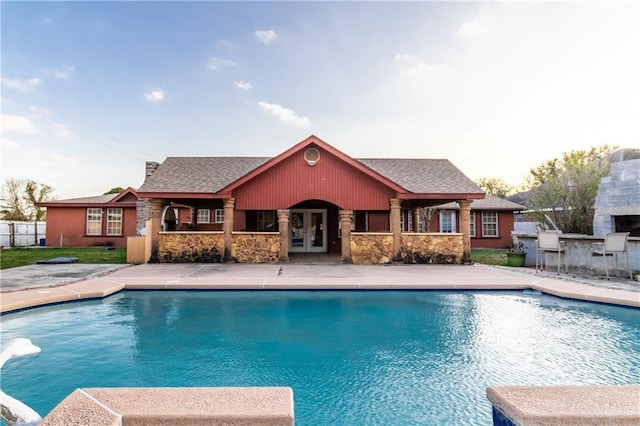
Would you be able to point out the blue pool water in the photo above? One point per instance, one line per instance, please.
(352, 358)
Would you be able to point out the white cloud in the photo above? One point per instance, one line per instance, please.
(404, 57)
(242, 85)
(469, 30)
(39, 110)
(63, 73)
(15, 149)
(155, 95)
(22, 86)
(285, 115)
(62, 162)
(266, 36)
(61, 131)
(423, 68)
(217, 63)
(17, 124)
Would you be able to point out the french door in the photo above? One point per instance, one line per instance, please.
(308, 230)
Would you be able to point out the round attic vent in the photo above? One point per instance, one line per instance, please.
(311, 156)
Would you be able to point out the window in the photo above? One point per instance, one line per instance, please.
(489, 224)
(448, 221)
(94, 221)
(204, 216)
(472, 224)
(266, 221)
(219, 215)
(406, 220)
(114, 221)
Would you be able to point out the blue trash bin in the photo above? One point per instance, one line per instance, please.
(42, 242)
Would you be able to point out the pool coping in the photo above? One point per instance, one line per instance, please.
(313, 277)
(260, 406)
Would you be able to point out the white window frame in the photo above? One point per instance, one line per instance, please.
(94, 217)
(114, 221)
(452, 216)
(408, 213)
(204, 216)
(218, 215)
(488, 220)
(472, 224)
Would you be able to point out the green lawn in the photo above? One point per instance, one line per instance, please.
(13, 257)
(489, 257)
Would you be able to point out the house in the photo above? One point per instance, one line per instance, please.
(104, 220)
(492, 221)
(312, 198)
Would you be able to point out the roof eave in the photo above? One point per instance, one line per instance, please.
(443, 196)
(182, 195)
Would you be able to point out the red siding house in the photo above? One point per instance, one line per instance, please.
(104, 220)
(492, 221)
(312, 198)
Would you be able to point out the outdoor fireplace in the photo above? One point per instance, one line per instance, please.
(617, 205)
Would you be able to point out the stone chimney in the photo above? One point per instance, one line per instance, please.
(150, 168)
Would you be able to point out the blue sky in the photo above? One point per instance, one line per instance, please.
(91, 90)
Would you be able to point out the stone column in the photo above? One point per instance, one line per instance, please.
(465, 228)
(346, 220)
(416, 219)
(155, 207)
(283, 225)
(193, 218)
(228, 228)
(395, 227)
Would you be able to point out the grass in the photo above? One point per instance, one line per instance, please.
(14, 257)
(18, 256)
(489, 257)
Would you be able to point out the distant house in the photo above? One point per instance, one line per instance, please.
(310, 198)
(104, 220)
(492, 221)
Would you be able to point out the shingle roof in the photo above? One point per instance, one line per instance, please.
(97, 199)
(424, 176)
(199, 174)
(490, 202)
(210, 174)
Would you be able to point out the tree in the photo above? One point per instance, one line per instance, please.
(15, 208)
(116, 190)
(565, 188)
(495, 186)
(21, 197)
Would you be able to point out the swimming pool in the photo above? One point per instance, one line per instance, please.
(351, 357)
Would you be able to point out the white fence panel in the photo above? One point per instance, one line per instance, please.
(21, 233)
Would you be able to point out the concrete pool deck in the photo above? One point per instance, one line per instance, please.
(38, 285)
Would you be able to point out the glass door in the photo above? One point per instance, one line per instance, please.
(297, 242)
(308, 231)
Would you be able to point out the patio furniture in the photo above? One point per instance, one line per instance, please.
(614, 244)
(549, 241)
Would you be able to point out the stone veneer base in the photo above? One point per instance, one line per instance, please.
(259, 406)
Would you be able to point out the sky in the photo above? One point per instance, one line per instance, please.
(92, 90)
